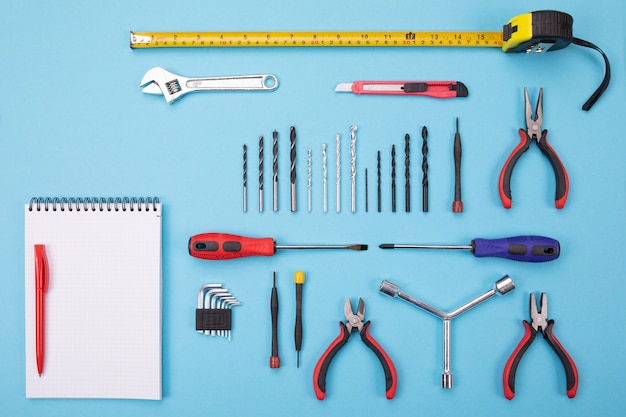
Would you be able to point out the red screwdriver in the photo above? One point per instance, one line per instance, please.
(220, 246)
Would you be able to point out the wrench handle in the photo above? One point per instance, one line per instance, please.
(243, 82)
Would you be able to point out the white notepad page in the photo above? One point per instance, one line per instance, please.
(103, 304)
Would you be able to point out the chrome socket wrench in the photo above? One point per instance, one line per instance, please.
(502, 286)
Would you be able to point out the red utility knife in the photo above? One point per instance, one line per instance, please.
(437, 89)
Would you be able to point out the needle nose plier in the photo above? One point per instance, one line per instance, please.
(533, 131)
(353, 321)
(539, 323)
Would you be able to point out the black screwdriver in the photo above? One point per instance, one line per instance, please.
(274, 359)
(298, 278)
(457, 204)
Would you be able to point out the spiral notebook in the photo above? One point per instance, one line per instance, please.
(103, 301)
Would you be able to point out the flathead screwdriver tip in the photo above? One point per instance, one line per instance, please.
(357, 247)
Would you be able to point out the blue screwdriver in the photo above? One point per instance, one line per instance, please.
(516, 248)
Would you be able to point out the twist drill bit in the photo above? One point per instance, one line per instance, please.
(457, 204)
(338, 179)
(366, 193)
(245, 178)
(308, 179)
(378, 176)
(260, 174)
(424, 170)
(353, 165)
(325, 177)
(393, 178)
(275, 169)
(407, 173)
(292, 156)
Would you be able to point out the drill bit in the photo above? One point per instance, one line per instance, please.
(378, 175)
(245, 178)
(393, 178)
(325, 177)
(353, 165)
(407, 173)
(275, 169)
(366, 193)
(260, 174)
(457, 204)
(308, 179)
(338, 179)
(424, 170)
(292, 156)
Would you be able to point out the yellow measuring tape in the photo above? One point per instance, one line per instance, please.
(312, 39)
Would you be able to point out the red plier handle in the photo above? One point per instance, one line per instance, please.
(510, 369)
(321, 369)
(562, 180)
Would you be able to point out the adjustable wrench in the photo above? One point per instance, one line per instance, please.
(160, 81)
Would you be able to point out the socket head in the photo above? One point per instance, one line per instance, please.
(388, 288)
(504, 285)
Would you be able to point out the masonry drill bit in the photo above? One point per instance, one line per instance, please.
(245, 178)
(424, 170)
(457, 204)
(338, 179)
(378, 175)
(353, 165)
(393, 178)
(366, 193)
(275, 169)
(292, 156)
(407, 173)
(308, 179)
(325, 177)
(260, 174)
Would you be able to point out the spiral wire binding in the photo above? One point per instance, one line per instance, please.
(93, 204)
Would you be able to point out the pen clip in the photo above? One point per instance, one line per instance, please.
(41, 268)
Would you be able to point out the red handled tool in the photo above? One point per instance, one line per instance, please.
(354, 321)
(436, 89)
(220, 246)
(539, 323)
(533, 131)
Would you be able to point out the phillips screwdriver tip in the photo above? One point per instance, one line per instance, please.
(387, 246)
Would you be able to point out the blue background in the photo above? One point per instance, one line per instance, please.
(73, 122)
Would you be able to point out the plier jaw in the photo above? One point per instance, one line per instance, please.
(534, 121)
(354, 320)
(539, 317)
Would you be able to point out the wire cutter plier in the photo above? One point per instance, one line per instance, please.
(539, 323)
(533, 131)
(353, 321)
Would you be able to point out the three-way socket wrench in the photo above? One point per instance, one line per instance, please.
(502, 286)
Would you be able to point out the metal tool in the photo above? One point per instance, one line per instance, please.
(338, 170)
(436, 89)
(325, 177)
(393, 178)
(292, 171)
(274, 359)
(502, 286)
(532, 133)
(245, 178)
(407, 173)
(298, 278)
(378, 188)
(366, 193)
(221, 246)
(353, 166)
(214, 314)
(160, 81)
(457, 204)
(275, 169)
(260, 174)
(539, 324)
(517, 248)
(309, 179)
(354, 321)
(424, 169)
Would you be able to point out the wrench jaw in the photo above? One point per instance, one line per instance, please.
(160, 81)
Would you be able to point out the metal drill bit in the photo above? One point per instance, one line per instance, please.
(393, 178)
(407, 173)
(378, 175)
(292, 156)
(245, 178)
(366, 193)
(275, 169)
(260, 174)
(424, 170)
(324, 177)
(353, 165)
(308, 179)
(338, 179)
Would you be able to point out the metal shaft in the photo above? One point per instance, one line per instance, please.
(424, 170)
(292, 157)
(245, 178)
(338, 179)
(324, 178)
(411, 246)
(366, 193)
(407, 173)
(393, 178)
(260, 174)
(308, 179)
(353, 165)
(358, 247)
(275, 169)
(378, 190)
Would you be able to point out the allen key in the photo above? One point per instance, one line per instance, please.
(502, 286)
(213, 313)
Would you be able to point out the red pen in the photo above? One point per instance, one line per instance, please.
(41, 286)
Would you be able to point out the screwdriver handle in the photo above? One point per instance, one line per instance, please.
(518, 248)
(220, 246)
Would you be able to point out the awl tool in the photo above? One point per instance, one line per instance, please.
(160, 81)
(516, 248)
(221, 246)
(436, 89)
